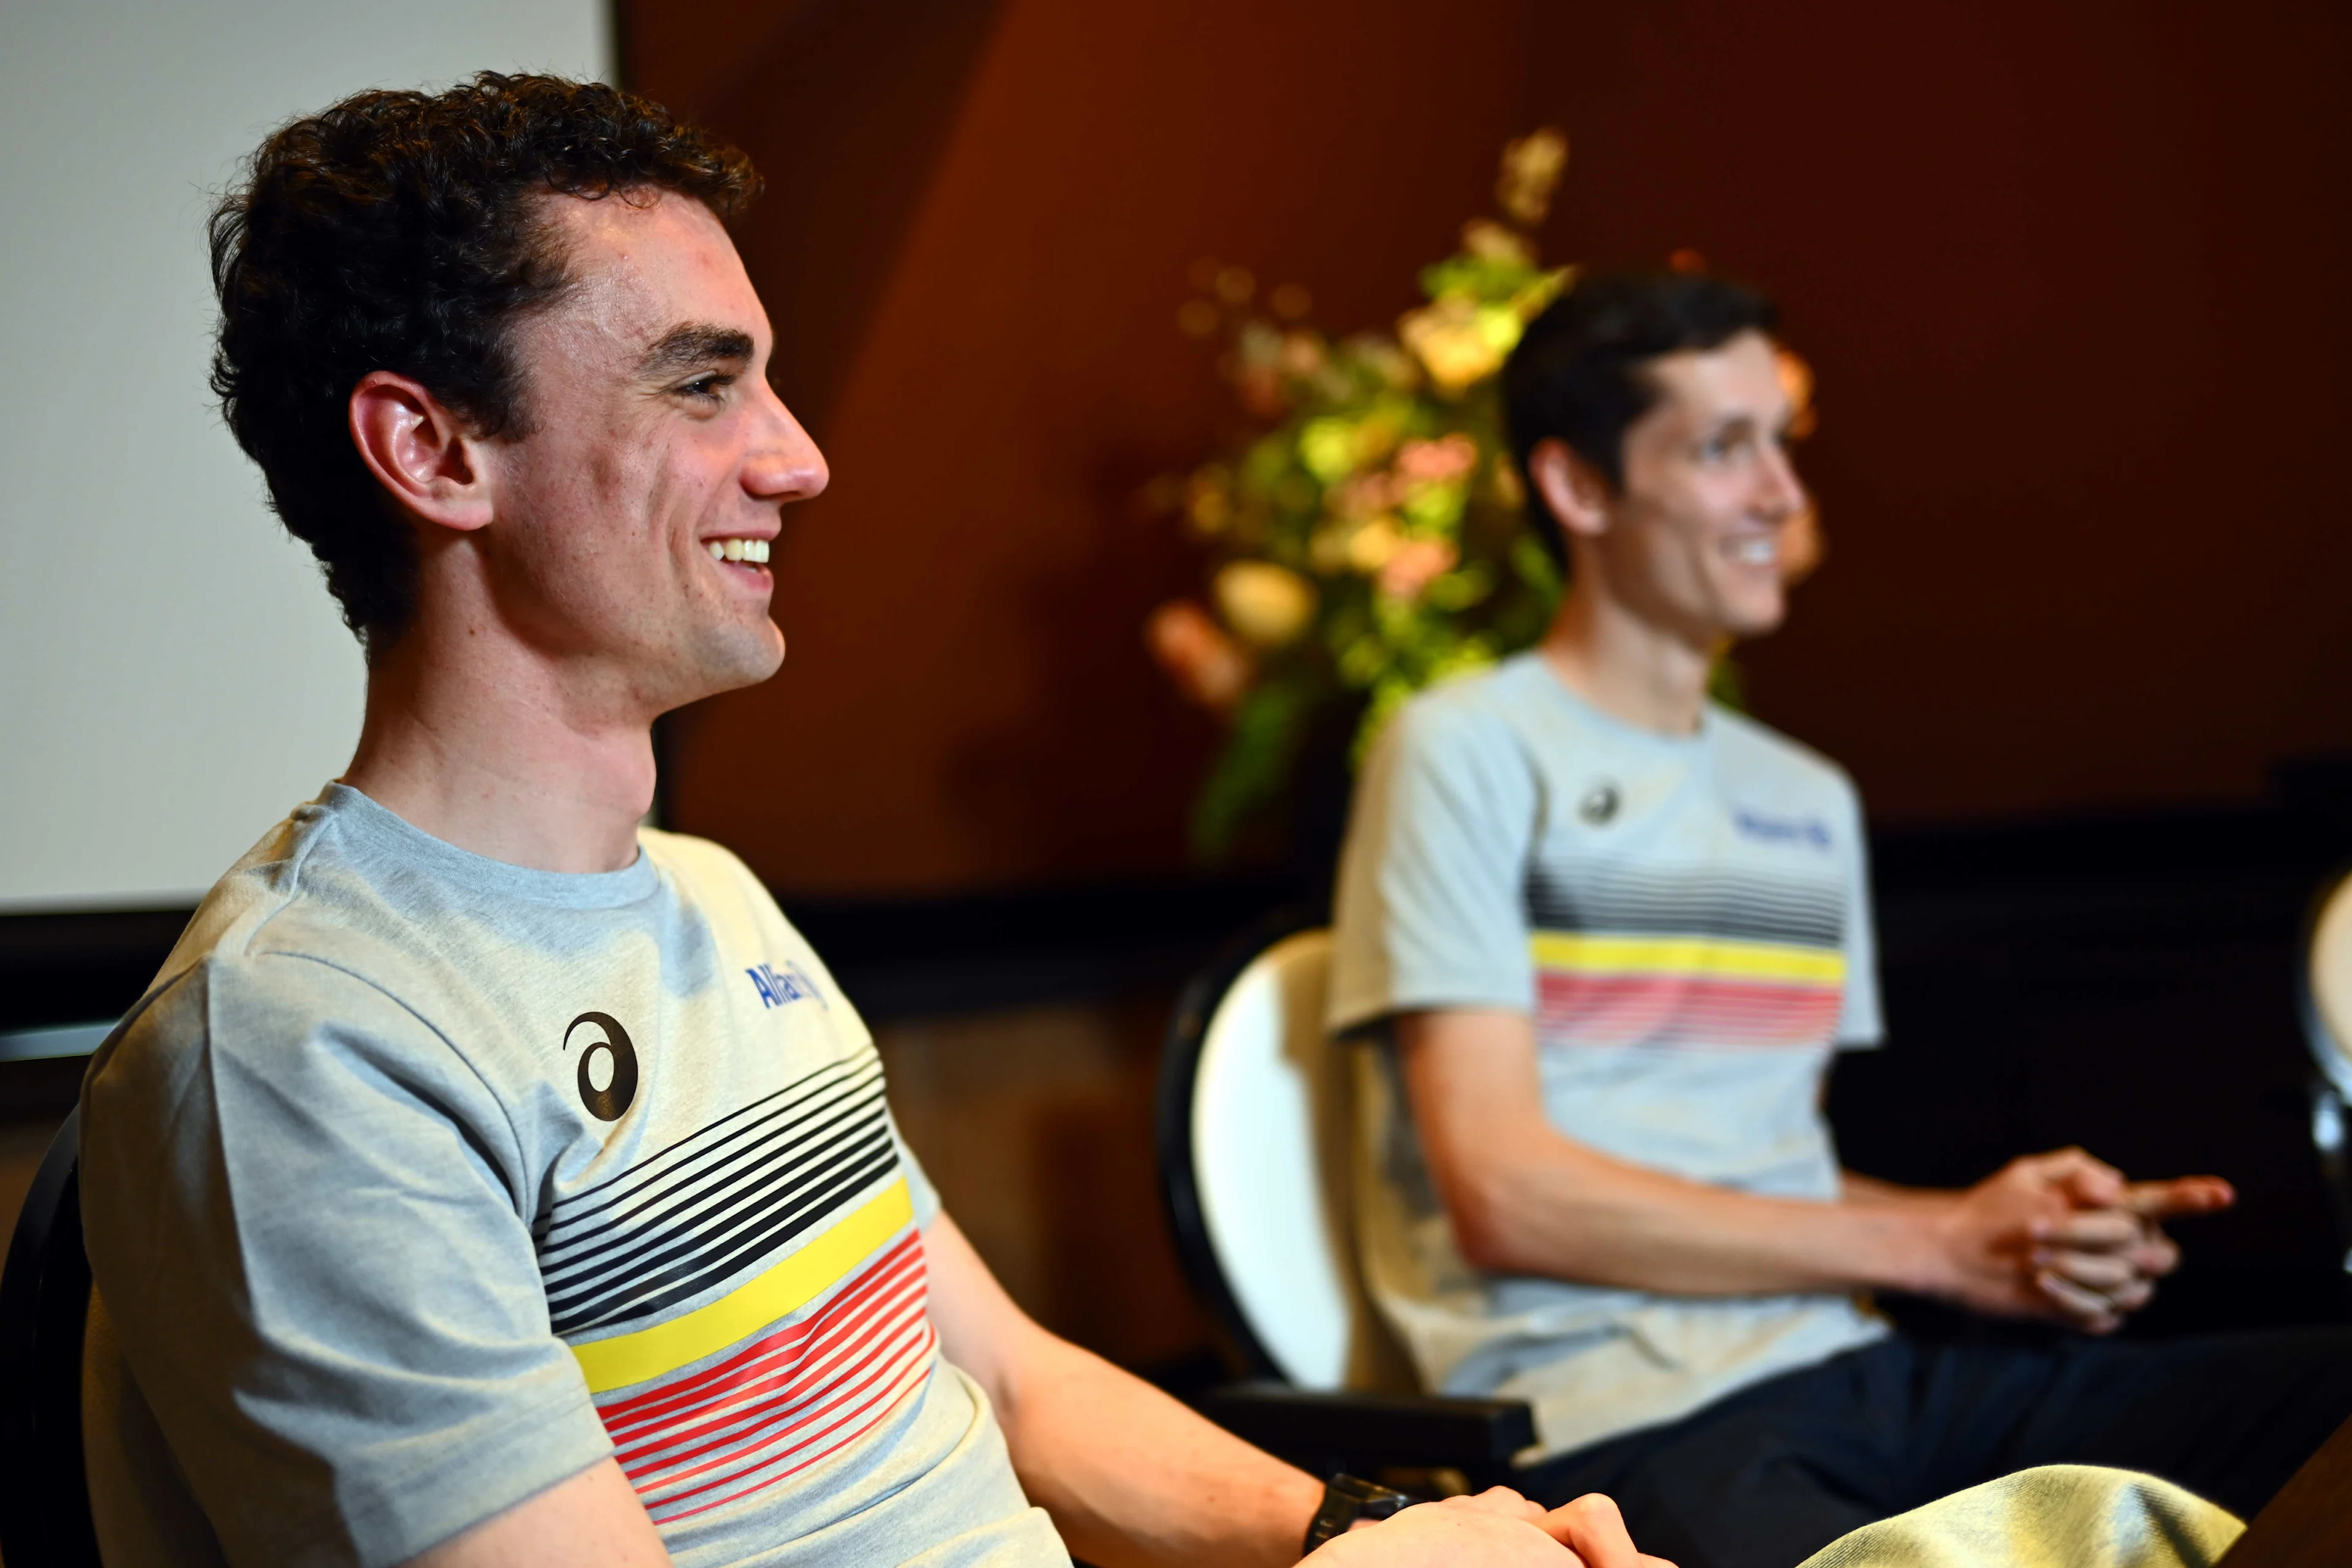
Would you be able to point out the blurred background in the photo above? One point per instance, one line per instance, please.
(2068, 277)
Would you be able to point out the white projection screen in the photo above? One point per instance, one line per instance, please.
(173, 674)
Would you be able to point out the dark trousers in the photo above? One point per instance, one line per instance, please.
(1769, 1476)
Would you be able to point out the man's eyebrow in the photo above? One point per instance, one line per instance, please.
(695, 343)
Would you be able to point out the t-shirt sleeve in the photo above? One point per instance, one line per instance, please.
(1430, 907)
(1860, 1025)
(305, 1215)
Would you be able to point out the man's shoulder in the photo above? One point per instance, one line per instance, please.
(713, 878)
(1497, 694)
(1473, 715)
(290, 893)
(703, 864)
(312, 928)
(1749, 744)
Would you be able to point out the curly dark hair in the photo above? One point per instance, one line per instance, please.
(401, 231)
(1578, 374)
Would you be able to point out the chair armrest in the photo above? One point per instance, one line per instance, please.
(1362, 1430)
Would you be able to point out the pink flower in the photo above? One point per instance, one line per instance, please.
(1435, 462)
(1414, 564)
(1363, 495)
(1206, 665)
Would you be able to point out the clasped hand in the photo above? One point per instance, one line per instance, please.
(2063, 1236)
(1495, 1529)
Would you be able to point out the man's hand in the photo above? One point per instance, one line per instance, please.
(2063, 1236)
(1496, 1529)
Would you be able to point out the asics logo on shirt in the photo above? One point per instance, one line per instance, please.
(608, 1067)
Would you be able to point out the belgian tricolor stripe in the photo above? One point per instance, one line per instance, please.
(786, 1397)
(796, 1204)
(1613, 990)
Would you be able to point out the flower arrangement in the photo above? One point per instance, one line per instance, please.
(1370, 538)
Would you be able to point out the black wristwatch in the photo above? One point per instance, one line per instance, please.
(1346, 1499)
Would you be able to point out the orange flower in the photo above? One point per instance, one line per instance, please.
(1531, 168)
(1206, 665)
(1412, 565)
(1435, 462)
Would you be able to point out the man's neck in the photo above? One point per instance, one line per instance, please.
(1629, 667)
(492, 754)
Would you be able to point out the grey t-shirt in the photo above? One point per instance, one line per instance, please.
(1687, 923)
(419, 1182)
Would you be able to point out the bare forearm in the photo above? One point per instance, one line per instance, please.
(1869, 1191)
(1525, 1199)
(1562, 1210)
(1131, 1477)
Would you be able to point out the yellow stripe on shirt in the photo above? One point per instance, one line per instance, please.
(788, 1285)
(1688, 955)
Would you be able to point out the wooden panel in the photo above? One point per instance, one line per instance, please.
(1035, 1125)
(2069, 274)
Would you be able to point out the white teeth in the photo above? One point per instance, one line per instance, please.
(734, 550)
(750, 552)
(1760, 551)
(756, 550)
(718, 551)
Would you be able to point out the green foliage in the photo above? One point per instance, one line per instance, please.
(1381, 481)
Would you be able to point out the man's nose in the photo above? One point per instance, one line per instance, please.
(783, 463)
(1783, 494)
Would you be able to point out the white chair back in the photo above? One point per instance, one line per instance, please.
(1270, 1141)
(2327, 986)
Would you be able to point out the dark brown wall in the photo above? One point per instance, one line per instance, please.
(2069, 274)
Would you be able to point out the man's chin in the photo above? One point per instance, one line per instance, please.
(1758, 618)
(760, 659)
(738, 662)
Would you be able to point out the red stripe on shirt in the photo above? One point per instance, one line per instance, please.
(1683, 1009)
(846, 1365)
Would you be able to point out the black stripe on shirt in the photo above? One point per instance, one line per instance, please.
(701, 1210)
(1714, 901)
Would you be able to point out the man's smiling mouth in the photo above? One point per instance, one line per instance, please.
(750, 552)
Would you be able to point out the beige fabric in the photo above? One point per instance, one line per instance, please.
(2058, 1516)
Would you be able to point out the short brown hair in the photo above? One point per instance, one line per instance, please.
(398, 231)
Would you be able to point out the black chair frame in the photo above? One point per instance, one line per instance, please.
(45, 1518)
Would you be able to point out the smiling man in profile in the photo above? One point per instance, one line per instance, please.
(486, 1180)
(1606, 936)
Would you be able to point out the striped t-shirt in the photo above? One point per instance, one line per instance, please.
(419, 1182)
(1686, 920)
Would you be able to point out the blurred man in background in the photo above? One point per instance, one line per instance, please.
(1607, 935)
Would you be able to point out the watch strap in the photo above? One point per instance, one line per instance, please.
(1346, 1499)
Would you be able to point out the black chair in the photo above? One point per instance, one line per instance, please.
(44, 1520)
(1254, 1138)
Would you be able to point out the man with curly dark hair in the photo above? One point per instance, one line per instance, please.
(489, 1180)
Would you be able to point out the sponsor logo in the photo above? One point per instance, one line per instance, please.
(781, 990)
(1782, 829)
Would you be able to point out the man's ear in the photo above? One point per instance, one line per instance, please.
(1573, 489)
(419, 451)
